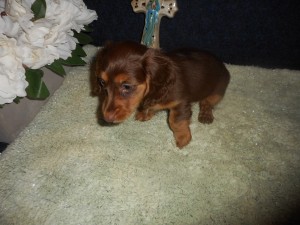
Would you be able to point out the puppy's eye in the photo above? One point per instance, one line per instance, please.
(101, 82)
(127, 89)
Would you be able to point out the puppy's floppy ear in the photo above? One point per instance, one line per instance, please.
(161, 70)
(96, 67)
(95, 89)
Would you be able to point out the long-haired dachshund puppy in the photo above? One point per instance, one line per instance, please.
(131, 77)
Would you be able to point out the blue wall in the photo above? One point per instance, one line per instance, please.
(263, 33)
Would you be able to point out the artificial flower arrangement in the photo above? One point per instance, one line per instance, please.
(36, 34)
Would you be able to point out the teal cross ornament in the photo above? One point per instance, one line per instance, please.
(154, 10)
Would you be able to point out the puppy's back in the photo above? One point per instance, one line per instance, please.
(201, 72)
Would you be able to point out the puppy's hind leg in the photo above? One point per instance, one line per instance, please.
(206, 106)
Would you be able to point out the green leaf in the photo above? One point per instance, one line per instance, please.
(57, 68)
(17, 100)
(39, 9)
(36, 89)
(82, 38)
(74, 60)
(79, 51)
(86, 28)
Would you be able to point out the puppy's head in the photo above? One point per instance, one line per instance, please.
(121, 79)
(125, 73)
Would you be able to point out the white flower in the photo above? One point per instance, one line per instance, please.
(35, 43)
(18, 8)
(12, 73)
(70, 14)
(38, 57)
(33, 32)
(43, 42)
(51, 37)
(8, 27)
(2, 5)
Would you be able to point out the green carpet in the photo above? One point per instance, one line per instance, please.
(65, 169)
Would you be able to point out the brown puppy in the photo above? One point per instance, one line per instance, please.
(131, 77)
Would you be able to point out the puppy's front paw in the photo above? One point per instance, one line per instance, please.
(182, 139)
(144, 115)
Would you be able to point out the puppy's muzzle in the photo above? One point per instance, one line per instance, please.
(109, 116)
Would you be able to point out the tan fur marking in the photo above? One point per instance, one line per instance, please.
(168, 105)
(104, 76)
(120, 78)
(214, 99)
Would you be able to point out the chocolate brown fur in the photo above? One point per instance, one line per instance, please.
(129, 77)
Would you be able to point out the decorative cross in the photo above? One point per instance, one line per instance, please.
(154, 10)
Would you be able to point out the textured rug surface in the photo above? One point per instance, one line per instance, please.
(244, 168)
